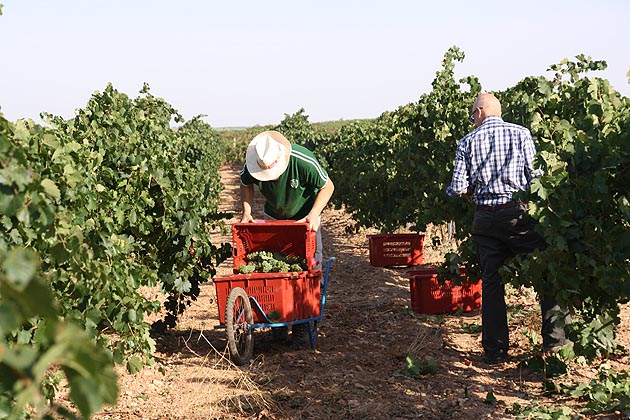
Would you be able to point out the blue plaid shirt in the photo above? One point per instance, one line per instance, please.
(493, 162)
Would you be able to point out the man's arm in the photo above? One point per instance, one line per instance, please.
(323, 196)
(459, 183)
(247, 200)
(529, 151)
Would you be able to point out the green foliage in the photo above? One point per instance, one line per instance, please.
(593, 333)
(297, 129)
(416, 368)
(471, 328)
(551, 366)
(536, 411)
(331, 127)
(36, 345)
(111, 201)
(491, 398)
(274, 316)
(362, 163)
(135, 198)
(43, 345)
(608, 392)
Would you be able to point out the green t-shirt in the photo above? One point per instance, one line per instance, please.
(292, 195)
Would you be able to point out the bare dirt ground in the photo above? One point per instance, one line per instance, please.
(358, 369)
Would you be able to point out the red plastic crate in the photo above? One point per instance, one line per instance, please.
(283, 236)
(292, 295)
(396, 249)
(428, 296)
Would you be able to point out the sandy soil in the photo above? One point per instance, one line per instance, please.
(358, 370)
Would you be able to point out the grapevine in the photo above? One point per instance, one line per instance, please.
(111, 201)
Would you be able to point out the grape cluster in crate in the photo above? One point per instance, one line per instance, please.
(271, 262)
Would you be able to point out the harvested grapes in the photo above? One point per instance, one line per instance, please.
(271, 262)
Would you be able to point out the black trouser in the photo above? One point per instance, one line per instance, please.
(501, 234)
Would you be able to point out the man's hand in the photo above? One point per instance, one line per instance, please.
(247, 218)
(313, 218)
(313, 222)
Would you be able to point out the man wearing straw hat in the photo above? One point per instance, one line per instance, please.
(294, 184)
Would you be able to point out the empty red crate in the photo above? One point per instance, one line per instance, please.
(282, 236)
(291, 296)
(428, 296)
(397, 249)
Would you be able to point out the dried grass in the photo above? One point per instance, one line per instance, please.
(425, 339)
(245, 395)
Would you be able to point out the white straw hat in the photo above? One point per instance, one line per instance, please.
(267, 155)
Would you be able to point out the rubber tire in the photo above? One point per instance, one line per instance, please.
(238, 317)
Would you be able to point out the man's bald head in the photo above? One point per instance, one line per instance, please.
(489, 104)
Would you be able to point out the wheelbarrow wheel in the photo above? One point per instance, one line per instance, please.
(238, 317)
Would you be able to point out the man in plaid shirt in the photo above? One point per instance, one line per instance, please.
(493, 162)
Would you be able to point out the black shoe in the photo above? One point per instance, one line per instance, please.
(280, 334)
(299, 334)
(493, 359)
(551, 350)
(555, 348)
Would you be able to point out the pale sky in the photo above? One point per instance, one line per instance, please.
(248, 62)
